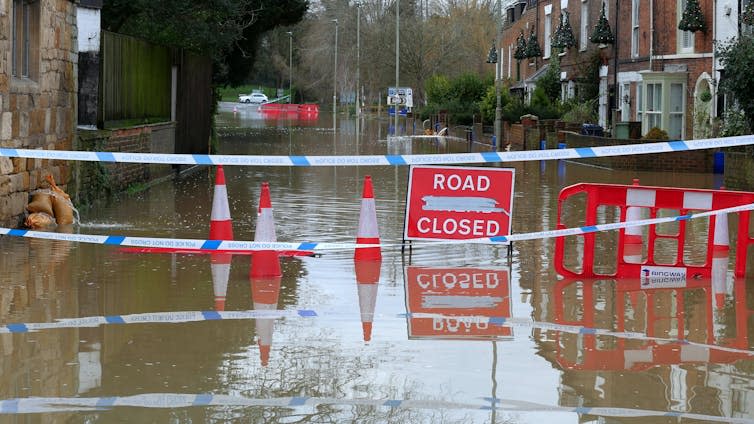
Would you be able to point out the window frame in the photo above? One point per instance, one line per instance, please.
(685, 39)
(25, 39)
(548, 33)
(584, 25)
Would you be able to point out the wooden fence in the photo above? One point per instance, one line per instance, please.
(136, 88)
(136, 80)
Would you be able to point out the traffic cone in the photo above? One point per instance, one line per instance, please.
(220, 225)
(265, 293)
(367, 279)
(633, 253)
(265, 263)
(220, 269)
(368, 232)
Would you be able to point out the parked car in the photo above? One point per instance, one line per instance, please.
(253, 98)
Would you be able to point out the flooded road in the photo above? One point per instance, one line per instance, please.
(150, 337)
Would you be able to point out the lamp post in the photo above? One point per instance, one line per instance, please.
(290, 66)
(358, 58)
(498, 72)
(335, 75)
(397, 56)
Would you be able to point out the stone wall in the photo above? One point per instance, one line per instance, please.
(38, 112)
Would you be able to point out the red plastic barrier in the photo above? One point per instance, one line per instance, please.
(653, 199)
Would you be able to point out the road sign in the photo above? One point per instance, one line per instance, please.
(458, 203)
(402, 96)
(457, 303)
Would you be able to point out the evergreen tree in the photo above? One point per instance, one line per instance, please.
(602, 33)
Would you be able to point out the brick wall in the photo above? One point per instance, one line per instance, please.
(97, 178)
(690, 161)
(37, 113)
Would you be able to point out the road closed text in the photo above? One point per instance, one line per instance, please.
(452, 226)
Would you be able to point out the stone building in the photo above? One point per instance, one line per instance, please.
(654, 73)
(38, 85)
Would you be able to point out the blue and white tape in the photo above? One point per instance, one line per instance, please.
(40, 405)
(224, 246)
(181, 317)
(382, 160)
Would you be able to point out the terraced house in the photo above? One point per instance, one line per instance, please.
(644, 61)
(38, 86)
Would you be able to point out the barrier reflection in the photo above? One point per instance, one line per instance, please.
(457, 303)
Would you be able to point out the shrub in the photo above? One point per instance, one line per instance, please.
(580, 112)
(734, 123)
(656, 134)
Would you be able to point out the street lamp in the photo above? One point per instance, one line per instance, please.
(397, 56)
(290, 66)
(492, 58)
(358, 58)
(334, 74)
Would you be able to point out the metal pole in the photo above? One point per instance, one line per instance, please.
(290, 67)
(358, 58)
(498, 72)
(335, 75)
(397, 56)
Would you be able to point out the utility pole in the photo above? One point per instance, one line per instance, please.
(498, 74)
(397, 56)
(358, 58)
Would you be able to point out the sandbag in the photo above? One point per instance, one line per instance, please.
(61, 203)
(63, 210)
(40, 202)
(39, 220)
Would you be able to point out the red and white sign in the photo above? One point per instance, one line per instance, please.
(458, 203)
(460, 302)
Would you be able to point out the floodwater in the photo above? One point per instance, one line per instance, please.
(451, 333)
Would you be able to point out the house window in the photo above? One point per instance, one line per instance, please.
(625, 102)
(635, 28)
(25, 43)
(677, 101)
(584, 25)
(665, 103)
(548, 33)
(653, 110)
(685, 38)
(639, 104)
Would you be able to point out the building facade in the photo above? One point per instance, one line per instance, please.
(38, 86)
(653, 72)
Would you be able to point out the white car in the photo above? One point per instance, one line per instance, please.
(253, 98)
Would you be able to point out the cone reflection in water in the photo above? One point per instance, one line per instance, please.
(264, 294)
(220, 225)
(367, 279)
(368, 233)
(265, 263)
(220, 268)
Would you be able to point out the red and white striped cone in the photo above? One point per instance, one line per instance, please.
(633, 253)
(633, 235)
(220, 224)
(265, 263)
(265, 293)
(367, 279)
(368, 233)
(220, 269)
(719, 277)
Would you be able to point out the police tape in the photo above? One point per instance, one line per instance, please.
(182, 317)
(40, 405)
(382, 160)
(239, 247)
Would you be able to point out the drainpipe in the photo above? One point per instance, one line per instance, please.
(651, 33)
(714, 61)
(615, 61)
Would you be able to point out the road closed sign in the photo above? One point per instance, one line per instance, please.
(458, 203)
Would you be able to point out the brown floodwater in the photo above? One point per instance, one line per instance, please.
(125, 336)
